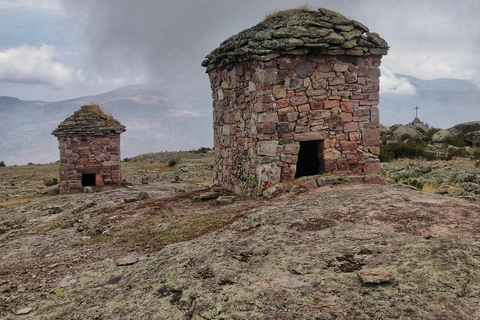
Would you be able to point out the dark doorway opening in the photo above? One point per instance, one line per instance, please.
(88, 179)
(310, 159)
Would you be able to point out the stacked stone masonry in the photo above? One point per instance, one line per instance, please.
(89, 143)
(265, 107)
(98, 155)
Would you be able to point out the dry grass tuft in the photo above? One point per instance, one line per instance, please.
(97, 111)
(286, 13)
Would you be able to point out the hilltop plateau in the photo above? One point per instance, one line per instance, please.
(158, 251)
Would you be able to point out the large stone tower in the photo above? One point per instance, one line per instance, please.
(89, 143)
(295, 95)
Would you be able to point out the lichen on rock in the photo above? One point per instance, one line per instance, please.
(295, 28)
(89, 120)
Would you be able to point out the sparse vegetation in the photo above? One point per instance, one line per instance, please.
(286, 13)
(202, 150)
(411, 150)
(98, 112)
(50, 182)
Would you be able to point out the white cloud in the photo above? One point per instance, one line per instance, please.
(391, 84)
(50, 6)
(27, 64)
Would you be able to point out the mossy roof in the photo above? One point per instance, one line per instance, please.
(292, 29)
(89, 120)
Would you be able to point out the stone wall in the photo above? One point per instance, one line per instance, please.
(263, 110)
(98, 155)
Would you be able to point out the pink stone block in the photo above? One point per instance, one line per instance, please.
(370, 137)
(310, 184)
(371, 168)
(328, 104)
(348, 145)
(350, 127)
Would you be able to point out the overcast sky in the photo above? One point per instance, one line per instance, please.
(59, 49)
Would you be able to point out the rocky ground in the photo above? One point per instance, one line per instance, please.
(119, 254)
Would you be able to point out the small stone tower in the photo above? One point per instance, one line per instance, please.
(296, 95)
(89, 143)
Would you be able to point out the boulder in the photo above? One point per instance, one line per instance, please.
(473, 138)
(441, 135)
(401, 131)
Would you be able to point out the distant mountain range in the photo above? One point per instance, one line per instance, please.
(161, 119)
(156, 120)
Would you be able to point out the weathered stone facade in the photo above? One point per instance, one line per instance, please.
(89, 143)
(295, 95)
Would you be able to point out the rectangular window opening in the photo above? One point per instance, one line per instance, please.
(310, 159)
(88, 179)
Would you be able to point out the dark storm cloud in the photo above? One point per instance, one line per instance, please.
(165, 39)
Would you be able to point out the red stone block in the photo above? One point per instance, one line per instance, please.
(328, 104)
(346, 117)
(371, 168)
(374, 179)
(298, 100)
(346, 106)
(316, 105)
(370, 137)
(262, 107)
(261, 86)
(348, 145)
(303, 108)
(267, 128)
(309, 185)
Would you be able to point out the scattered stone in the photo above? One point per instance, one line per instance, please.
(129, 200)
(209, 195)
(179, 190)
(3, 229)
(87, 190)
(20, 218)
(296, 189)
(114, 279)
(127, 184)
(142, 195)
(273, 191)
(163, 226)
(374, 275)
(144, 181)
(374, 179)
(309, 185)
(223, 200)
(127, 261)
(24, 311)
(55, 210)
(68, 280)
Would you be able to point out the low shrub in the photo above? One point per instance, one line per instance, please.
(172, 163)
(455, 140)
(398, 150)
(50, 182)
(202, 150)
(477, 164)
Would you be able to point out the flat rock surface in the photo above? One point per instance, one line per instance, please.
(294, 256)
